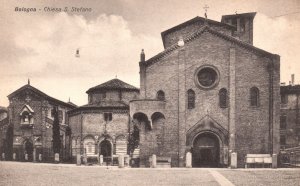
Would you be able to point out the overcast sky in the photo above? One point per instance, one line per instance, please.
(41, 45)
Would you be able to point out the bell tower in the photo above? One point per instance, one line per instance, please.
(243, 24)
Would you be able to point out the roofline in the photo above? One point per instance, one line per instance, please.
(290, 89)
(195, 19)
(51, 99)
(81, 108)
(105, 89)
(196, 35)
(249, 14)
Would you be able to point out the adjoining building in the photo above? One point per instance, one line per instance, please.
(3, 129)
(290, 116)
(30, 115)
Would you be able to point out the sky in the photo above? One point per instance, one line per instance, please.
(41, 45)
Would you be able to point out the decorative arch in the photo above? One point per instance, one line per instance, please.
(141, 117)
(26, 115)
(209, 125)
(89, 145)
(121, 144)
(160, 95)
(28, 148)
(254, 97)
(191, 97)
(106, 149)
(157, 115)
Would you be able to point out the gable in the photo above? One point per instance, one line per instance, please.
(28, 92)
(172, 35)
(26, 108)
(199, 33)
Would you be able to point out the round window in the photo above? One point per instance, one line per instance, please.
(207, 77)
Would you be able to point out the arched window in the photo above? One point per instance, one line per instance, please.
(254, 97)
(223, 98)
(191, 99)
(25, 117)
(89, 146)
(160, 95)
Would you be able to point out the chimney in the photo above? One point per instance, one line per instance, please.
(142, 56)
(293, 79)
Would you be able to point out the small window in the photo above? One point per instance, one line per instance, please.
(284, 98)
(234, 23)
(160, 95)
(223, 98)
(242, 25)
(191, 99)
(25, 118)
(282, 140)
(108, 116)
(254, 97)
(283, 122)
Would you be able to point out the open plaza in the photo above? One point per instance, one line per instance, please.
(27, 173)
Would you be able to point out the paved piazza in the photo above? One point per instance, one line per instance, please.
(19, 173)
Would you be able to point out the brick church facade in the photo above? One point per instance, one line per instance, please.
(210, 92)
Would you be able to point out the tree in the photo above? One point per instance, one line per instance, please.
(56, 134)
(134, 139)
(9, 142)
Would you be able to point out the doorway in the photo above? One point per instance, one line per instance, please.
(106, 151)
(206, 150)
(28, 150)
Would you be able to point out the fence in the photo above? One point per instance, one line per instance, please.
(290, 157)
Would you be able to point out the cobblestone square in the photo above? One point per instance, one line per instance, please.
(17, 173)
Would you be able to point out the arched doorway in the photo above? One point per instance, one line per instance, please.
(106, 150)
(28, 146)
(206, 150)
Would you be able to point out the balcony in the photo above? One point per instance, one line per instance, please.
(147, 106)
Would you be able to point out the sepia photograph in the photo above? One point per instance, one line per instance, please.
(139, 92)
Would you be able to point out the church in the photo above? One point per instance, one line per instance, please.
(210, 93)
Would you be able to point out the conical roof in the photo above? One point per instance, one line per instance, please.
(114, 84)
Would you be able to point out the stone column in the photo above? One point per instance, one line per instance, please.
(121, 160)
(85, 159)
(188, 160)
(233, 160)
(78, 159)
(40, 157)
(26, 157)
(34, 154)
(153, 162)
(274, 161)
(56, 157)
(101, 160)
(14, 156)
(3, 156)
(126, 160)
(231, 127)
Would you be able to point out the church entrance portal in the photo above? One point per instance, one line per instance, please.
(28, 149)
(105, 150)
(206, 150)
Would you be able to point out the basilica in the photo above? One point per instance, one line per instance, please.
(210, 92)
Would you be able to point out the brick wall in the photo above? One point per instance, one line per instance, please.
(251, 69)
